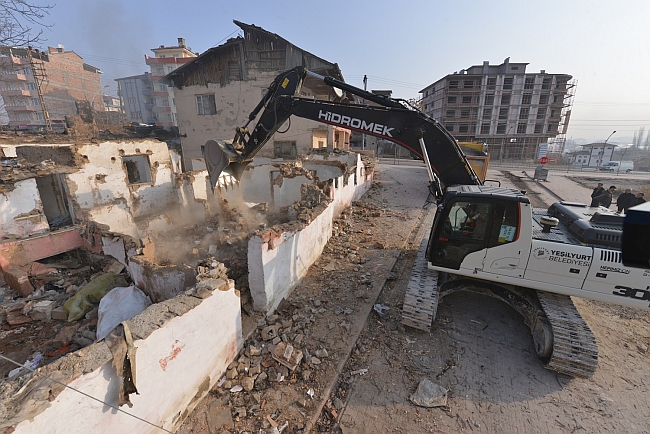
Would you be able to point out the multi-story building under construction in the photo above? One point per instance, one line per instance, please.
(502, 105)
(39, 88)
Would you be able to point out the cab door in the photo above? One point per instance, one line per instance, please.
(508, 246)
(454, 243)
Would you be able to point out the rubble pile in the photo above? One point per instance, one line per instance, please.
(281, 374)
(35, 324)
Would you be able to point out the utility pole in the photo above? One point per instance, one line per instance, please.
(38, 71)
(363, 135)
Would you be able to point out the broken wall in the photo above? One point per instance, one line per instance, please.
(280, 257)
(21, 211)
(121, 184)
(184, 346)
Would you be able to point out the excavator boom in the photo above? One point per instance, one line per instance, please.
(393, 121)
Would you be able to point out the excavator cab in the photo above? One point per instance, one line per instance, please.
(466, 225)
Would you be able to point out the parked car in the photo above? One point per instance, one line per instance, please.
(618, 166)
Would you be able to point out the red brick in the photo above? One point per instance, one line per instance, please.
(16, 318)
(18, 280)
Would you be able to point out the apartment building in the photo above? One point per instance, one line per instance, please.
(135, 96)
(504, 106)
(165, 61)
(62, 77)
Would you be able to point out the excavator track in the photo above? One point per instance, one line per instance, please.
(421, 298)
(575, 351)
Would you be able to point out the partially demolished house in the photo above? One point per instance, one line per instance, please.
(216, 92)
(120, 214)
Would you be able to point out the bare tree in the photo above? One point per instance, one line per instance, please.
(17, 21)
(646, 144)
(637, 141)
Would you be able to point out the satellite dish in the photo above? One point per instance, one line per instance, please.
(60, 46)
(338, 92)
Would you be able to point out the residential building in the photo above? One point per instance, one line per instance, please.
(504, 106)
(62, 76)
(597, 154)
(135, 96)
(166, 61)
(216, 92)
(111, 103)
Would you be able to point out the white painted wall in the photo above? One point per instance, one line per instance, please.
(274, 272)
(189, 353)
(110, 200)
(14, 207)
(277, 262)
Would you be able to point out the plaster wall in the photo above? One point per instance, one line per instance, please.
(176, 365)
(234, 102)
(276, 265)
(21, 211)
(277, 262)
(101, 187)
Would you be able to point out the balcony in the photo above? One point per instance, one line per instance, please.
(14, 77)
(154, 93)
(8, 93)
(148, 106)
(162, 109)
(22, 108)
(146, 92)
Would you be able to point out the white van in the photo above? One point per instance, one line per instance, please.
(613, 166)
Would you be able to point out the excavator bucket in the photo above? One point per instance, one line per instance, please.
(220, 156)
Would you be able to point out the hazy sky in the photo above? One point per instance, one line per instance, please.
(401, 45)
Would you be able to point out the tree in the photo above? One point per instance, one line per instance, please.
(637, 141)
(17, 21)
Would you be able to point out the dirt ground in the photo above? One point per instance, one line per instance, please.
(478, 348)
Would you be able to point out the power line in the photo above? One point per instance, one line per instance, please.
(83, 393)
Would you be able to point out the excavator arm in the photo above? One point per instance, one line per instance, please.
(393, 121)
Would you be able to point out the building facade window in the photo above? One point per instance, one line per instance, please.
(487, 113)
(467, 99)
(464, 114)
(530, 83)
(453, 84)
(501, 128)
(206, 105)
(451, 113)
(489, 99)
(507, 83)
(524, 112)
(451, 100)
(521, 128)
(505, 99)
(539, 128)
(526, 99)
(503, 113)
(543, 99)
(491, 83)
(485, 128)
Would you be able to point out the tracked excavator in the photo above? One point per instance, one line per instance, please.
(483, 238)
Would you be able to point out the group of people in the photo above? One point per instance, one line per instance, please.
(602, 197)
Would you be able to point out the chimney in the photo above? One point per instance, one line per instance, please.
(181, 42)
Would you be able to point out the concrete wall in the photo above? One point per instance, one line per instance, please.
(177, 363)
(277, 261)
(21, 211)
(102, 192)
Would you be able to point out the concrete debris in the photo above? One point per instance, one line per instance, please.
(429, 395)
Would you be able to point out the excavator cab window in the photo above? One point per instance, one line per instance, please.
(463, 229)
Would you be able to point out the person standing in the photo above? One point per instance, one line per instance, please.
(605, 199)
(625, 200)
(639, 199)
(597, 192)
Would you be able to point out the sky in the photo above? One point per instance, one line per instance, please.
(400, 45)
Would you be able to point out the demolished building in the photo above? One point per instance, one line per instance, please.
(127, 203)
(217, 90)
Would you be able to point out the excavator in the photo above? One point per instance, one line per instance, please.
(483, 238)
